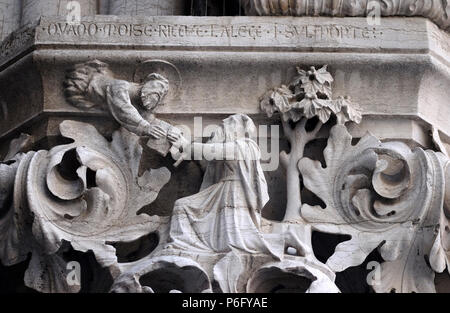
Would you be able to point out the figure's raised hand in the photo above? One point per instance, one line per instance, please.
(180, 150)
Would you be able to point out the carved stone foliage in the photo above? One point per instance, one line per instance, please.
(385, 197)
(87, 193)
(86, 196)
(308, 95)
(163, 274)
(436, 10)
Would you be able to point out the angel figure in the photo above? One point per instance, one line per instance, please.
(93, 84)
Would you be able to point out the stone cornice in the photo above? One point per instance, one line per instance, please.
(232, 44)
(247, 33)
(437, 11)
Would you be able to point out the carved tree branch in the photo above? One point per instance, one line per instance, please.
(298, 138)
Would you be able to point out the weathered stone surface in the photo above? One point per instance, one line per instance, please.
(89, 193)
(409, 56)
(99, 207)
(396, 210)
(436, 10)
(32, 10)
(91, 85)
(320, 34)
(9, 17)
(147, 7)
(141, 149)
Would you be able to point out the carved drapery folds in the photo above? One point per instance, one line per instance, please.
(87, 195)
(436, 10)
(218, 235)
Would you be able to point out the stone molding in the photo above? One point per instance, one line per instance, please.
(437, 11)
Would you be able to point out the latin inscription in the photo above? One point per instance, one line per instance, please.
(239, 31)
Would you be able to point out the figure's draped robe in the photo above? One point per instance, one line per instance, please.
(226, 213)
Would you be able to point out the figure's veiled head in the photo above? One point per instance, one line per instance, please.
(234, 127)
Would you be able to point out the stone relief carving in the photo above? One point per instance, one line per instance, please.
(92, 84)
(307, 96)
(385, 197)
(87, 194)
(232, 195)
(436, 10)
(218, 234)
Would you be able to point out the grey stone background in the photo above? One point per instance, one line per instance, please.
(17, 13)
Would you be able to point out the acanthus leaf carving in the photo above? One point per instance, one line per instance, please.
(14, 238)
(220, 232)
(385, 197)
(102, 212)
(48, 273)
(86, 193)
(166, 274)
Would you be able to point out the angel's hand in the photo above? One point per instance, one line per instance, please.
(157, 132)
(174, 135)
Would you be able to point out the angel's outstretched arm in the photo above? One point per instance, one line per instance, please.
(119, 104)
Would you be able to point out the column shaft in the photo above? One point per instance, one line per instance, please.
(32, 10)
(9, 17)
(147, 7)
